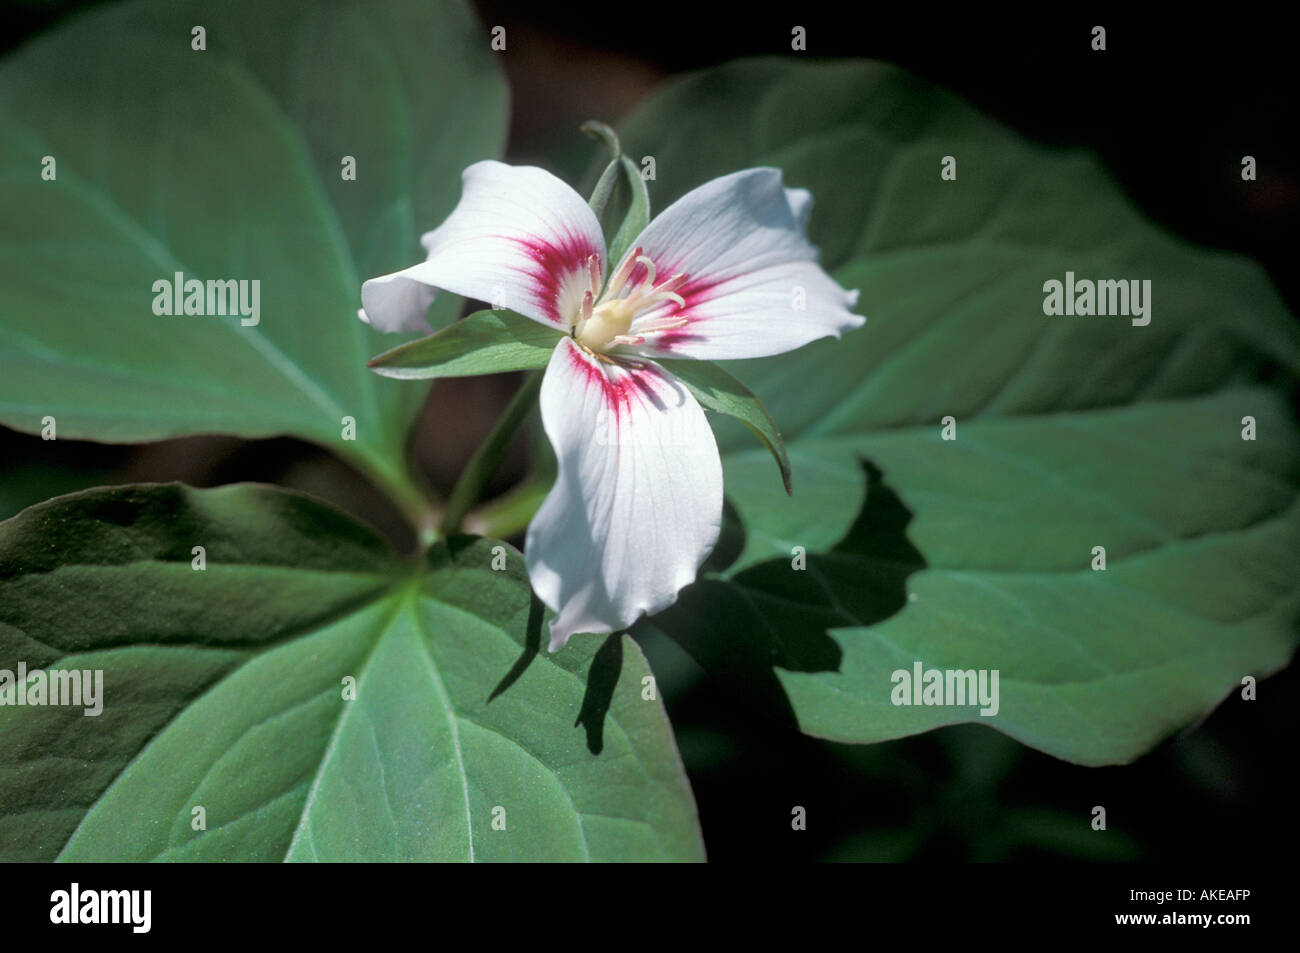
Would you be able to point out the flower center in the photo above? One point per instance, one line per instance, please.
(608, 321)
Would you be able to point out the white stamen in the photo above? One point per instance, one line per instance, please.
(673, 283)
(661, 324)
(650, 269)
(606, 321)
(666, 296)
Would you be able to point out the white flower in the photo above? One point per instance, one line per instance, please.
(725, 272)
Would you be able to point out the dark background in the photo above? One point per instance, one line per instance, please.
(1171, 107)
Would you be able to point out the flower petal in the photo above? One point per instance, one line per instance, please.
(801, 202)
(519, 239)
(637, 501)
(754, 287)
(400, 304)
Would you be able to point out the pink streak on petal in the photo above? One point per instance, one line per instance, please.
(695, 293)
(553, 266)
(619, 386)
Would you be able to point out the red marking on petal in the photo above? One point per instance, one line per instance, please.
(619, 384)
(554, 265)
(694, 293)
(699, 290)
(666, 341)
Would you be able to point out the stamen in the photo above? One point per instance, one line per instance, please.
(650, 269)
(620, 314)
(673, 283)
(624, 271)
(666, 296)
(662, 324)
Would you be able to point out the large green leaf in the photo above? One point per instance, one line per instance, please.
(1071, 432)
(227, 163)
(223, 689)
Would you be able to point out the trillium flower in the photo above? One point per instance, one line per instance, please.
(725, 272)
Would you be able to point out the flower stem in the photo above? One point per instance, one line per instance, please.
(484, 463)
(417, 505)
(510, 513)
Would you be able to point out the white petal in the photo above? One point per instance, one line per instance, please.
(519, 239)
(754, 285)
(637, 501)
(399, 304)
(801, 202)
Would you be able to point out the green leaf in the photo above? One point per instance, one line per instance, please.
(227, 163)
(485, 342)
(604, 188)
(636, 217)
(816, 516)
(718, 391)
(223, 689)
(1071, 432)
(605, 135)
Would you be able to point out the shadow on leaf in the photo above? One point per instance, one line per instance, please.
(775, 615)
(532, 645)
(602, 677)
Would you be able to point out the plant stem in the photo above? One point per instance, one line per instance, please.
(484, 463)
(420, 509)
(510, 513)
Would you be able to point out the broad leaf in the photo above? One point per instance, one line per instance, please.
(485, 342)
(228, 163)
(1071, 432)
(226, 690)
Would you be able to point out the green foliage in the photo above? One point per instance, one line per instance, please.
(1070, 432)
(315, 696)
